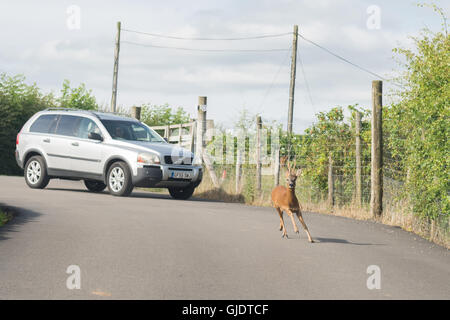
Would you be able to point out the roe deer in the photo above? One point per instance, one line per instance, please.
(284, 199)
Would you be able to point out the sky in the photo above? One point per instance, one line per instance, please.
(44, 41)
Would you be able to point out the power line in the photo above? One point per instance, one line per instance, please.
(342, 58)
(209, 39)
(274, 79)
(306, 81)
(204, 50)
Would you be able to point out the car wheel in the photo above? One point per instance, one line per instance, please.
(35, 173)
(182, 193)
(119, 179)
(94, 186)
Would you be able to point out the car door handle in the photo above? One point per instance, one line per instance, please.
(46, 140)
(75, 144)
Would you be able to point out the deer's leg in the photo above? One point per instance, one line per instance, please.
(291, 214)
(282, 227)
(300, 217)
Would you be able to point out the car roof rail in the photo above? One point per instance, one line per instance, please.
(70, 109)
(93, 112)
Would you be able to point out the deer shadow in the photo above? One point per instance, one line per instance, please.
(343, 241)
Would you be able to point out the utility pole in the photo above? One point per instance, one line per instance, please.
(376, 195)
(116, 70)
(292, 85)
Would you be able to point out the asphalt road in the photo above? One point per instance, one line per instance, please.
(149, 246)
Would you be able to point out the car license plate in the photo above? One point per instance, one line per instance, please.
(180, 174)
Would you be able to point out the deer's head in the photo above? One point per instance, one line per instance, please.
(291, 175)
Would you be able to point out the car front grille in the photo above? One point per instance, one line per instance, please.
(178, 160)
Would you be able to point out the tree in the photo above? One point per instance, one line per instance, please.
(162, 115)
(18, 102)
(418, 125)
(77, 98)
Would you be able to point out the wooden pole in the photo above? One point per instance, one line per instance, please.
(376, 194)
(180, 134)
(200, 126)
(277, 166)
(292, 84)
(116, 70)
(136, 112)
(358, 185)
(238, 170)
(330, 182)
(200, 144)
(258, 153)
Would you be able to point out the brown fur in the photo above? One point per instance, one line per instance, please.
(285, 200)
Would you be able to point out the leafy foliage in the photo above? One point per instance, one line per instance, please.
(418, 128)
(77, 98)
(18, 102)
(154, 115)
(331, 136)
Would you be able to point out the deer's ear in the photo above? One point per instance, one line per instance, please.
(299, 172)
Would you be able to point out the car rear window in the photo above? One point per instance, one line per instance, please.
(45, 123)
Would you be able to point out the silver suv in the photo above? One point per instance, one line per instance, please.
(103, 150)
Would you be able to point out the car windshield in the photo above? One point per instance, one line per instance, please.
(131, 131)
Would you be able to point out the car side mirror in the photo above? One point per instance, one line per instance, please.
(95, 136)
(166, 140)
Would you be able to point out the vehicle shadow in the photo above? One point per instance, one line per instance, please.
(343, 241)
(151, 195)
(20, 216)
(140, 194)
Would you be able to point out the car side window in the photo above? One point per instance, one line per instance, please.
(87, 126)
(68, 125)
(45, 124)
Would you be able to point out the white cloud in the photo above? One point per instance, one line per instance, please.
(38, 44)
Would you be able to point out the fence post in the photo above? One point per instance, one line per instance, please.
(238, 170)
(193, 131)
(180, 131)
(277, 166)
(258, 153)
(136, 112)
(200, 145)
(200, 126)
(330, 182)
(376, 193)
(358, 157)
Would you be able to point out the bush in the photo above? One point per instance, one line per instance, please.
(418, 125)
(18, 102)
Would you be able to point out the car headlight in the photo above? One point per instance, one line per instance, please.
(148, 158)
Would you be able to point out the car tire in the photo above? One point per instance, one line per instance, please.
(35, 173)
(119, 179)
(94, 186)
(182, 193)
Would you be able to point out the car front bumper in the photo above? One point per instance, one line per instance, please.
(160, 176)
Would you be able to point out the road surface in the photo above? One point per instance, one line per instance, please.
(149, 246)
